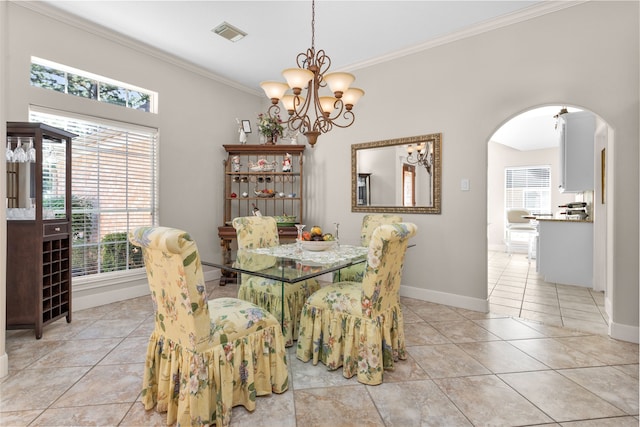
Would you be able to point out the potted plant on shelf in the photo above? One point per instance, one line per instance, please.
(270, 127)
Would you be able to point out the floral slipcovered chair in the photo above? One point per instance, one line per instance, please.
(262, 232)
(359, 326)
(204, 357)
(370, 222)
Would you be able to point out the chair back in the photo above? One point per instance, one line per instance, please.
(371, 221)
(256, 232)
(383, 274)
(515, 216)
(177, 285)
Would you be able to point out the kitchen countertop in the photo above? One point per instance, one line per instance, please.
(563, 219)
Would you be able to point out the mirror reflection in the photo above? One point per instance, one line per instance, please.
(397, 175)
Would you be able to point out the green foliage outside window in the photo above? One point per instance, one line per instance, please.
(114, 253)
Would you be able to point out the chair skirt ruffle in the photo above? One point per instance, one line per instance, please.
(362, 346)
(198, 388)
(269, 297)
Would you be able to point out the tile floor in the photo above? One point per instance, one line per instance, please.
(465, 368)
(517, 290)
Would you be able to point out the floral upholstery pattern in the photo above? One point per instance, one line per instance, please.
(370, 222)
(359, 326)
(204, 357)
(262, 232)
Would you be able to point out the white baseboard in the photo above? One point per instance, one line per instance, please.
(624, 332)
(453, 300)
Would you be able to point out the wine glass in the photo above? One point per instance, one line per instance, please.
(31, 152)
(19, 155)
(9, 152)
(300, 227)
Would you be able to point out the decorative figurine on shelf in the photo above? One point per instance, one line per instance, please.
(286, 163)
(235, 163)
(241, 131)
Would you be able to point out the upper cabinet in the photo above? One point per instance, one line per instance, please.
(577, 142)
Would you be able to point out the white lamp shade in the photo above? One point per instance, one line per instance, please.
(352, 96)
(339, 82)
(327, 103)
(289, 102)
(297, 77)
(274, 90)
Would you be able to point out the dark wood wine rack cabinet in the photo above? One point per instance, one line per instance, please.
(38, 227)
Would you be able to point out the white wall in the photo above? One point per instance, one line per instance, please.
(501, 157)
(585, 55)
(465, 89)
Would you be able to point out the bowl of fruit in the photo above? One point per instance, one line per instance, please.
(316, 240)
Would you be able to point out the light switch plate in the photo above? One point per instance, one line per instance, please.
(464, 184)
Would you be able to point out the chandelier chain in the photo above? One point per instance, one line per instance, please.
(313, 25)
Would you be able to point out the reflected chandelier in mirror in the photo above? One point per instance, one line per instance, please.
(399, 175)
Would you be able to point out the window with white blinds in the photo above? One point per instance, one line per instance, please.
(114, 189)
(528, 188)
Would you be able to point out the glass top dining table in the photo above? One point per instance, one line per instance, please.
(290, 263)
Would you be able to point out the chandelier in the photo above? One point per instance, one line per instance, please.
(421, 155)
(312, 113)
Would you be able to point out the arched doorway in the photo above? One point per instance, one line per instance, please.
(525, 144)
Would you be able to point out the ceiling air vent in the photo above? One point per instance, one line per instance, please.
(229, 32)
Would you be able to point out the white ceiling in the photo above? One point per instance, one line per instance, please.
(353, 33)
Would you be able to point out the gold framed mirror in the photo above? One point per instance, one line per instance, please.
(399, 175)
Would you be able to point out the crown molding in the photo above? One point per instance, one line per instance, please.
(544, 8)
(90, 27)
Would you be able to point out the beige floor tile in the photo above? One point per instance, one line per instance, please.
(422, 333)
(340, 407)
(18, 418)
(459, 331)
(271, 410)
(446, 360)
(98, 415)
(405, 370)
(507, 302)
(435, 312)
(508, 329)
(559, 397)
(501, 357)
(503, 292)
(127, 351)
(542, 308)
(552, 330)
(409, 316)
(604, 422)
(537, 298)
(105, 385)
(631, 370)
(487, 401)
(549, 319)
(609, 384)
(595, 317)
(37, 388)
(110, 328)
(138, 417)
(555, 354)
(26, 350)
(504, 310)
(415, 403)
(603, 348)
(77, 353)
(599, 328)
(580, 305)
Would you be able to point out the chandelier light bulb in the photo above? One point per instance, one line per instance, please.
(297, 78)
(351, 97)
(328, 104)
(274, 90)
(291, 104)
(339, 82)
